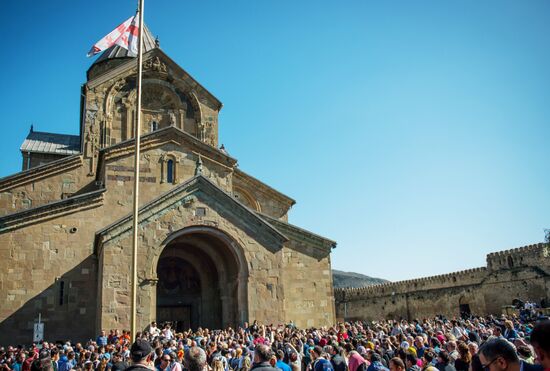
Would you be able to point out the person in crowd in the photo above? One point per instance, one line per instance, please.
(499, 354)
(462, 363)
(540, 339)
(262, 355)
(356, 362)
(444, 362)
(509, 333)
(101, 340)
(376, 363)
(396, 364)
(427, 361)
(280, 361)
(195, 359)
(118, 363)
(320, 363)
(338, 359)
(141, 354)
(411, 362)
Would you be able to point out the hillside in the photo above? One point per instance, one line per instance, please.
(349, 279)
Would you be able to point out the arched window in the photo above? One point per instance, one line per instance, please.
(510, 262)
(154, 125)
(170, 171)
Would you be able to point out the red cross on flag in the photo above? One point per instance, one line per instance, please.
(125, 36)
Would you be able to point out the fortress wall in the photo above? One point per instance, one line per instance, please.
(531, 255)
(521, 273)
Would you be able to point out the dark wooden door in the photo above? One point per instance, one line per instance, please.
(178, 316)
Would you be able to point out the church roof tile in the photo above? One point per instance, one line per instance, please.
(58, 144)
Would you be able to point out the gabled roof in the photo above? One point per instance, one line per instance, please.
(258, 184)
(300, 234)
(171, 131)
(130, 63)
(51, 143)
(197, 186)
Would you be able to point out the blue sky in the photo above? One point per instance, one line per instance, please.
(415, 134)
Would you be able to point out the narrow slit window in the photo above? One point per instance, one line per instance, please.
(61, 293)
(154, 125)
(170, 171)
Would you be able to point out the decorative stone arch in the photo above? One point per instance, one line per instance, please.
(232, 267)
(164, 164)
(111, 93)
(246, 198)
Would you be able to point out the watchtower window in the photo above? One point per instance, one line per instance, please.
(170, 171)
(154, 125)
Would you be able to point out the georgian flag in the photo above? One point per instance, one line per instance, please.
(125, 36)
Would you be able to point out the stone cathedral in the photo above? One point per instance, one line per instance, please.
(215, 245)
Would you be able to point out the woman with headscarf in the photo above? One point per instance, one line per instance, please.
(356, 362)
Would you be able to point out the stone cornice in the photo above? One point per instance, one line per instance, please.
(183, 195)
(161, 136)
(40, 172)
(262, 187)
(52, 210)
(132, 63)
(300, 235)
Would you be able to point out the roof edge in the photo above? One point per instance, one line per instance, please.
(325, 242)
(248, 177)
(51, 210)
(39, 172)
(124, 65)
(196, 180)
(230, 160)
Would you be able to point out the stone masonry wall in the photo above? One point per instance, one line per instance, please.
(37, 159)
(119, 176)
(44, 184)
(522, 273)
(308, 287)
(264, 288)
(49, 268)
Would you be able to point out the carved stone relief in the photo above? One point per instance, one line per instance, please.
(155, 64)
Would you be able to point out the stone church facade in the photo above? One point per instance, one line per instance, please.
(215, 245)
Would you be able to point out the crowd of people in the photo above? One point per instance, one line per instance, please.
(437, 344)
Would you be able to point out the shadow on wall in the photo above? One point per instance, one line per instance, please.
(67, 308)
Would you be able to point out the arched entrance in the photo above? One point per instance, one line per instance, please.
(201, 280)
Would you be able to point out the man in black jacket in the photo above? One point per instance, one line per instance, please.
(142, 355)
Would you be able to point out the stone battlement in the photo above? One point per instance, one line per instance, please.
(522, 256)
(530, 255)
(423, 283)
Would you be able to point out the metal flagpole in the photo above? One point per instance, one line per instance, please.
(137, 131)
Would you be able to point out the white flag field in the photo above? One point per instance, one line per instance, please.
(125, 36)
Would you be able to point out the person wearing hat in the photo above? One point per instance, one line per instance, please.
(141, 354)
